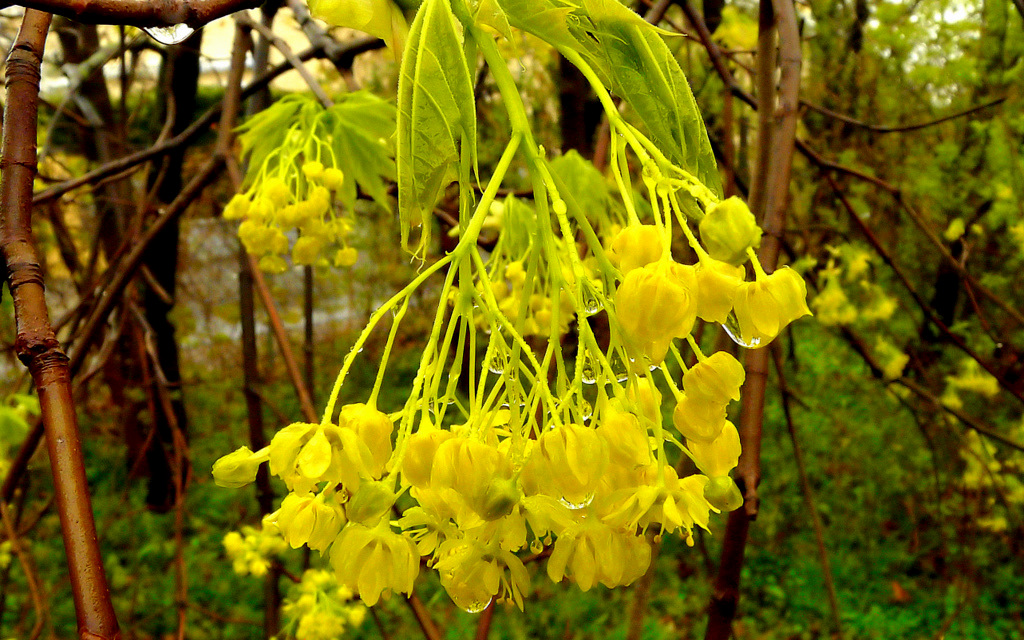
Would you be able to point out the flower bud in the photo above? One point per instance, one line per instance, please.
(333, 178)
(419, 454)
(728, 229)
(635, 246)
(717, 283)
(699, 419)
(238, 468)
(374, 428)
(723, 494)
(370, 502)
(717, 378)
(628, 444)
(718, 457)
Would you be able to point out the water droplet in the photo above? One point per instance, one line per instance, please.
(586, 410)
(536, 546)
(497, 362)
(476, 607)
(587, 499)
(591, 301)
(732, 329)
(619, 367)
(175, 34)
(588, 371)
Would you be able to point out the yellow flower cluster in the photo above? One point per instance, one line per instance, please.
(253, 550)
(970, 377)
(536, 423)
(319, 608)
(299, 198)
(848, 293)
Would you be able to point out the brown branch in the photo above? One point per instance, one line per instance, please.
(143, 13)
(419, 611)
(289, 55)
(194, 130)
(37, 346)
(340, 55)
(876, 128)
(808, 492)
(771, 179)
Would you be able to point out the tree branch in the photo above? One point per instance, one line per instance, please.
(143, 13)
(36, 345)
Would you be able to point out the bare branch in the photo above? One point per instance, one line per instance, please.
(142, 13)
(37, 346)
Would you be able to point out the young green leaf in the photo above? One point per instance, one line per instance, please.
(436, 115)
(630, 57)
(362, 125)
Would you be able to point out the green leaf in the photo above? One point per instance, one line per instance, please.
(583, 182)
(634, 62)
(265, 132)
(362, 125)
(381, 18)
(436, 115)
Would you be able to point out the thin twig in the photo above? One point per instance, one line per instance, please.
(29, 567)
(808, 492)
(876, 128)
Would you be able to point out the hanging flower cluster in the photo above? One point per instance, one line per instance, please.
(297, 201)
(252, 550)
(539, 452)
(537, 423)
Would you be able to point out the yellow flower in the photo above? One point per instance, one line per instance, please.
(567, 462)
(374, 428)
(238, 468)
(718, 457)
(634, 247)
(655, 304)
(717, 378)
(764, 307)
(372, 561)
(717, 283)
(594, 552)
(475, 470)
(698, 418)
(728, 229)
(627, 440)
(472, 575)
(309, 520)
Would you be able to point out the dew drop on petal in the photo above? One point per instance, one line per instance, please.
(732, 329)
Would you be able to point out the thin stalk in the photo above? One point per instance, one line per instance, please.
(808, 492)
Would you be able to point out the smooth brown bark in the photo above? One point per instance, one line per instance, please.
(37, 346)
(143, 13)
(769, 195)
